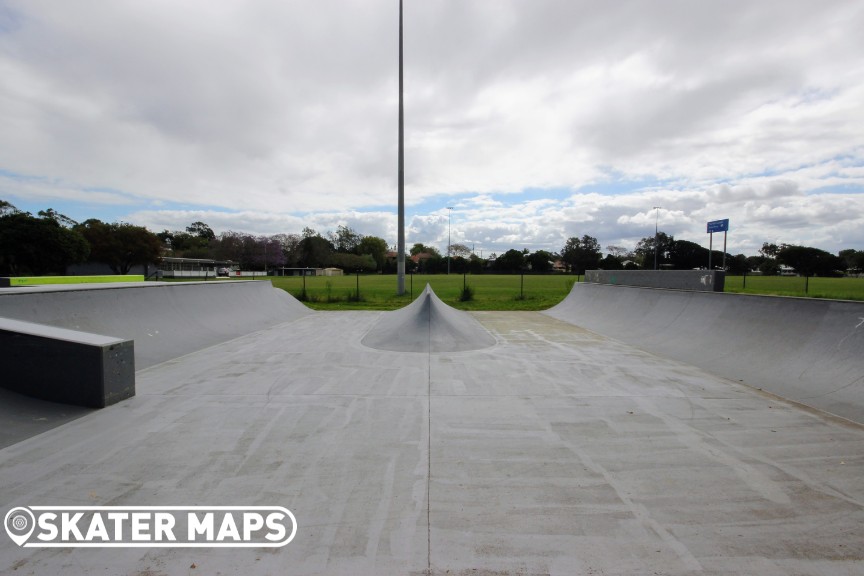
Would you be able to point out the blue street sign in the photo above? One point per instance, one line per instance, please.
(718, 226)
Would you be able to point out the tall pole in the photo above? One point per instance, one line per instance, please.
(449, 213)
(400, 248)
(656, 218)
(710, 249)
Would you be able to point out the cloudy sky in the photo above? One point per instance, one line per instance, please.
(535, 120)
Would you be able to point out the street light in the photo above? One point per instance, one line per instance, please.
(400, 179)
(656, 218)
(449, 214)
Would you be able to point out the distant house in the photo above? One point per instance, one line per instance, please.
(286, 271)
(171, 267)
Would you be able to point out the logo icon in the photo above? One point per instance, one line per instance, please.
(19, 523)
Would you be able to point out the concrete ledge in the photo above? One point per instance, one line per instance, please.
(700, 280)
(66, 366)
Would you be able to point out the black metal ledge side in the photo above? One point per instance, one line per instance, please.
(66, 366)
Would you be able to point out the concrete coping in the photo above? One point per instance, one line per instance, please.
(55, 333)
(107, 286)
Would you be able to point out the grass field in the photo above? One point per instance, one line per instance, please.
(833, 288)
(513, 292)
(378, 292)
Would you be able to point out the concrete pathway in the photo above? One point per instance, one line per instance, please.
(555, 451)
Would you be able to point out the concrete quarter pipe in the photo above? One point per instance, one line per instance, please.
(806, 350)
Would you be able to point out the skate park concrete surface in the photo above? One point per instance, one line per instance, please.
(545, 448)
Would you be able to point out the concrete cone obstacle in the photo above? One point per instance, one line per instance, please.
(428, 325)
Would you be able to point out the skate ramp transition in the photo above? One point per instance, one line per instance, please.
(165, 319)
(428, 325)
(809, 351)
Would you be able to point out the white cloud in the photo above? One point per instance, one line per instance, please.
(269, 116)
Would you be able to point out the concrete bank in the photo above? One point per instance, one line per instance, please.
(165, 319)
(805, 350)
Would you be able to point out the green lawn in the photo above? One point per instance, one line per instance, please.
(506, 292)
(378, 292)
(833, 288)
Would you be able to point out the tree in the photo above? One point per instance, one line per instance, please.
(686, 255)
(809, 261)
(419, 248)
(581, 254)
(353, 262)
(120, 245)
(619, 252)
(61, 219)
(645, 250)
(512, 261)
(201, 230)
(37, 246)
(610, 262)
(260, 253)
(737, 264)
(345, 240)
(476, 265)
(290, 248)
(315, 252)
(769, 250)
(195, 242)
(541, 261)
(228, 246)
(854, 260)
(376, 248)
(616, 257)
(460, 251)
(7, 208)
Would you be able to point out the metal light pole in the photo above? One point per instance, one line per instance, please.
(656, 218)
(449, 213)
(400, 249)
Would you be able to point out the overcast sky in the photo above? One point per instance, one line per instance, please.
(535, 120)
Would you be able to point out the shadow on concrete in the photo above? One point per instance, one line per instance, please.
(23, 417)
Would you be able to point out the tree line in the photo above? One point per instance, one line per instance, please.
(50, 242)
